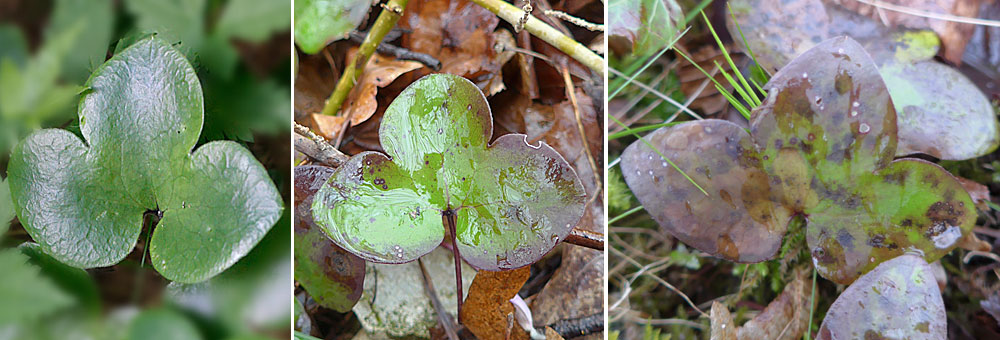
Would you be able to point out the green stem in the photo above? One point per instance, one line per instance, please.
(543, 31)
(386, 20)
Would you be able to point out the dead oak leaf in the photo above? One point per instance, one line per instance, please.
(379, 72)
(488, 305)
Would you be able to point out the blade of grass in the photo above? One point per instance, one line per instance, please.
(624, 214)
(658, 94)
(694, 11)
(732, 64)
(744, 39)
(650, 145)
(741, 91)
(631, 131)
(734, 102)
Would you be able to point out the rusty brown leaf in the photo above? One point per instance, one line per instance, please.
(462, 36)
(380, 72)
(487, 306)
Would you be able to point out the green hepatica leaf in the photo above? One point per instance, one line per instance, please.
(83, 201)
(512, 201)
(331, 275)
(821, 146)
(900, 293)
(642, 27)
(320, 22)
(940, 112)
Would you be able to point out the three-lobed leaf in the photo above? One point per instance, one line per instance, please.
(940, 111)
(83, 200)
(512, 201)
(821, 146)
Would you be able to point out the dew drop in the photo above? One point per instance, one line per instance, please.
(664, 164)
(805, 75)
(864, 128)
(708, 129)
(856, 104)
(854, 113)
(840, 51)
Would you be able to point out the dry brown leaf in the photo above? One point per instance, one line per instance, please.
(575, 290)
(980, 193)
(380, 72)
(551, 334)
(954, 35)
(461, 35)
(723, 327)
(314, 82)
(971, 242)
(786, 317)
(487, 306)
(326, 126)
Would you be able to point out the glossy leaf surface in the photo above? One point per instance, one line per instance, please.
(331, 275)
(821, 145)
(901, 294)
(512, 201)
(320, 22)
(940, 112)
(83, 200)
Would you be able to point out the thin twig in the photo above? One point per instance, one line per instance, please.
(658, 94)
(543, 31)
(661, 281)
(399, 52)
(585, 238)
(317, 148)
(571, 93)
(574, 20)
(386, 20)
(443, 317)
(930, 15)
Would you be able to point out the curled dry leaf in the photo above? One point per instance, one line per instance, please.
(327, 126)
(901, 294)
(786, 317)
(488, 307)
(380, 72)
